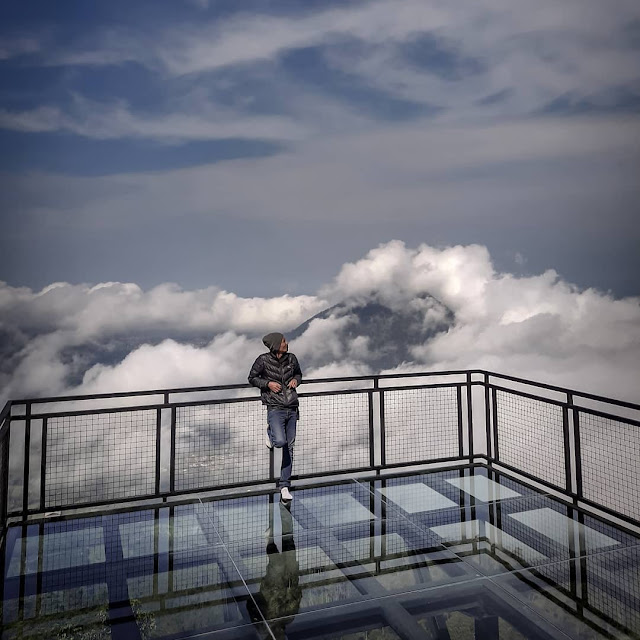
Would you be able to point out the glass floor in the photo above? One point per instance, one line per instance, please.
(456, 554)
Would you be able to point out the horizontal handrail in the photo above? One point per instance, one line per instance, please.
(225, 387)
(531, 396)
(551, 387)
(385, 376)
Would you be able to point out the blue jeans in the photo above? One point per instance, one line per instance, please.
(281, 430)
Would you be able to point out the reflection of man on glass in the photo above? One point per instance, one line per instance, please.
(280, 593)
(277, 374)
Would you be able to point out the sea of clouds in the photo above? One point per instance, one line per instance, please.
(116, 337)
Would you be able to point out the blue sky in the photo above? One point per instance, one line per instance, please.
(257, 146)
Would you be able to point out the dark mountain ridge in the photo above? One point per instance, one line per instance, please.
(385, 331)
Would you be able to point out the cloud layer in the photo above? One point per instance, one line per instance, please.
(489, 58)
(115, 337)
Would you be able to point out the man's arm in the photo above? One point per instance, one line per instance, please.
(255, 375)
(256, 379)
(297, 372)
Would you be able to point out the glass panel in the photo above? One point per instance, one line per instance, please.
(559, 527)
(336, 509)
(330, 506)
(417, 497)
(481, 488)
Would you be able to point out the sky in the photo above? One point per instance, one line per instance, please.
(179, 175)
(183, 140)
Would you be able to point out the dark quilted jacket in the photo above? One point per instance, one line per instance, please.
(267, 368)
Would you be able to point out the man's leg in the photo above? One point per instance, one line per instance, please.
(276, 427)
(290, 423)
(268, 442)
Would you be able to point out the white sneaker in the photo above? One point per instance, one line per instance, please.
(285, 494)
(268, 442)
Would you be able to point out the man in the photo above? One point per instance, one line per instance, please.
(277, 374)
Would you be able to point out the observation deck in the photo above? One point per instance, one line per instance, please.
(439, 505)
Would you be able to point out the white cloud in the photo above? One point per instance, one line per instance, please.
(171, 365)
(457, 276)
(103, 121)
(322, 340)
(539, 327)
(344, 368)
(117, 308)
(571, 29)
(39, 371)
(55, 334)
(34, 120)
(359, 349)
(530, 53)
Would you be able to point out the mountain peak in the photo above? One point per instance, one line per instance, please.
(382, 331)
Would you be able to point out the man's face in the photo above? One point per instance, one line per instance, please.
(284, 346)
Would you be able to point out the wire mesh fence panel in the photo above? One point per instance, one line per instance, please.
(612, 585)
(100, 457)
(421, 424)
(610, 456)
(531, 437)
(220, 444)
(332, 434)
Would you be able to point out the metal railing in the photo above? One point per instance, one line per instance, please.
(84, 451)
(580, 444)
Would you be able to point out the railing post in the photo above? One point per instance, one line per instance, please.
(158, 440)
(576, 445)
(2, 565)
(4, 485)
(487, 414)
(372, 459)
(469, 416)
(494, 405)
(567, 453)
(43, 465)
(383, 453)
(172, 453)
(5, 434)
(27, 460)
(574, 553)
(460, 426)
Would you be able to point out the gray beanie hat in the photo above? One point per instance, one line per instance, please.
(273, 341)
